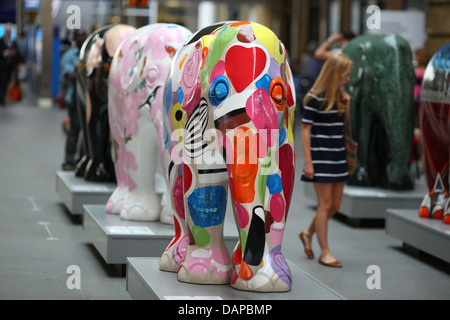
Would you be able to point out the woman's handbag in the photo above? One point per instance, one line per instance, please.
(351, 146)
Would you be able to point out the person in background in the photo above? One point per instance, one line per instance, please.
(69, 62)
(323, 143)
(420, 62)
(9, 58)
(308, 72)
(325, 50)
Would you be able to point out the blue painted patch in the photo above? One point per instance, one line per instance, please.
(207, 206)
(218, 91)
(274, 184)
(180, 95)
(264, 82)
(281, 136)
(166, 136)
(167, 97)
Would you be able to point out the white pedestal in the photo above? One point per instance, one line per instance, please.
(116, 239)
(428, 235)
(146, 282)
(75, 191)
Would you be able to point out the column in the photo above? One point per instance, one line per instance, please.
(264, 13)
(437, 25)
(206, 14)
(223, 13)
(45, 99)
(19, 17)
(296, 32)
(346, 11)
(153, 12)
(334, 16)
(323, 20)
(304, 25)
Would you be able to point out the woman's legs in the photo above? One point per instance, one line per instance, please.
(329, 196)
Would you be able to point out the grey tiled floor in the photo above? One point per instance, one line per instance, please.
(39, 239)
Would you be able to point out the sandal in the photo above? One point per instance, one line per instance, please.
(309, 253)
(334, 264)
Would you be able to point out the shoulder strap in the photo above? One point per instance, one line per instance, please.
(347, 123)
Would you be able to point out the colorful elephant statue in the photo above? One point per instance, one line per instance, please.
(138, 73)
(382, 110)
(229, 109)
(99, 165)
(83, 96)
(435, 128)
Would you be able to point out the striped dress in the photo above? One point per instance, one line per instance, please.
(327, 142)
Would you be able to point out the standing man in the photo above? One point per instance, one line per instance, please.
(8, 62)
(69, 63)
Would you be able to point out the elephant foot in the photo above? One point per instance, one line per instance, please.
(435, 203)
(360, 178)
(398, 178)
(80, 168)
(273, 275)
(116, 200)
(166, 263)
(206, 266)
(174, 255)
(446, 218)
(433, 206)
(166, 216)
(98, 171)
(141, 207)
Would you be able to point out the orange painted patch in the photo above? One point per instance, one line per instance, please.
(182, 61)
(245, 272)
(245, 166)
(204, 56)
(423, 212)
(240, 23)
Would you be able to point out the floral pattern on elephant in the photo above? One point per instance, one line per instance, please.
(136, 86)
(228, 125)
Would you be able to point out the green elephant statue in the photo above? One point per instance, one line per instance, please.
(382, 110)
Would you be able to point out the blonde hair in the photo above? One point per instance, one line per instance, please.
(327, 84)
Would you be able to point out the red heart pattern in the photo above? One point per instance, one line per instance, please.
(244, 65)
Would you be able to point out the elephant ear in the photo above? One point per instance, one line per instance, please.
(93, 57)
(129, 65)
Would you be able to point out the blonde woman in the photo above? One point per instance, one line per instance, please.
(323, 144)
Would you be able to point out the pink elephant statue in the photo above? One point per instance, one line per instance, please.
(435, 127)
(136, 86)
(229, 109)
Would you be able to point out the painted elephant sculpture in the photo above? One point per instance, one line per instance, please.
(382, 110)
(435, 128)
(229, 108)
(83, 96)
(138, 73)
(98, 164)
